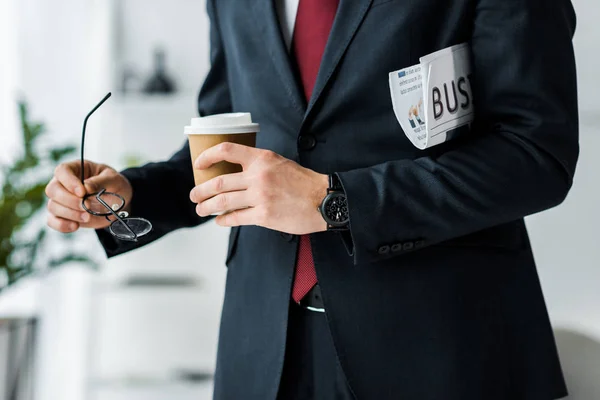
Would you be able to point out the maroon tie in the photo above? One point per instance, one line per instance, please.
(311, 32)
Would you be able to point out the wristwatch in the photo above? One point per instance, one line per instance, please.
(334, 207)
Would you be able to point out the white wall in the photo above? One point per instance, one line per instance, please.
(53, 70)
(9, 74)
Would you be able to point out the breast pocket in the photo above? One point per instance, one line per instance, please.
(380, 2)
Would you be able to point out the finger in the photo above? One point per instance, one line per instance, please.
(67, 176)
(241, 217)
(62, 225)
(220, 184)
(224, 202)
(58, 210)
(57, 192)
(231, 152)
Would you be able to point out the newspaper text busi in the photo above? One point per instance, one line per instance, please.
(463, 85)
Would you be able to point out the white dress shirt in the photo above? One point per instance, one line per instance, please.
(286, 12)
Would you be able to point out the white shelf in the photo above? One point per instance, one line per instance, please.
(20, 300)
(157, 391)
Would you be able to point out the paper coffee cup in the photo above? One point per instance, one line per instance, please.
(206, 132)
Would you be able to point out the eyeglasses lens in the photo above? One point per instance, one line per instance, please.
(139, 226)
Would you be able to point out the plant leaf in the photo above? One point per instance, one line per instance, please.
(72, 258)
(22, 195)
(16, 274)
(33, 250)
(36, 130)
(57, 154)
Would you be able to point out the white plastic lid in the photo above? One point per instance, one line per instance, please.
(218, 124)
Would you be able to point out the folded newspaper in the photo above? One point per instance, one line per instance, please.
(434, 98)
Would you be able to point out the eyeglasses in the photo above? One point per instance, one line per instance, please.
(106, 204)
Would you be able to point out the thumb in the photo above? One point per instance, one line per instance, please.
(98, 182)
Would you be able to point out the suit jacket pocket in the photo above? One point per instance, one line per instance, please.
(233, 238)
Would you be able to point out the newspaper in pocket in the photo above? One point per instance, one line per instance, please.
(435, 97)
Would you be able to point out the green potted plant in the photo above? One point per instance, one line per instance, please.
(22, 196)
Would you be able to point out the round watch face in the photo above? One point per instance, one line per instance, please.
(335, 209)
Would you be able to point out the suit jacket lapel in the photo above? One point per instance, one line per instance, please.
(268, 23)
(349, 17)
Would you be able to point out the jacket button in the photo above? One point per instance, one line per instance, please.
(408, 246)
(307, 142)
(396, 247)
(384, 250)
(288, 237)
(419, 244)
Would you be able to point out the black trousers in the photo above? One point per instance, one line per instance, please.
(311, 368)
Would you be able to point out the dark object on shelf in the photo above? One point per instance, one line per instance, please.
(159, 82)
(161, 281)
(194, 376)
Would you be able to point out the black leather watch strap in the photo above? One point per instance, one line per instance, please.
(334, 183)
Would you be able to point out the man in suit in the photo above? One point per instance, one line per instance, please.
(421, 285)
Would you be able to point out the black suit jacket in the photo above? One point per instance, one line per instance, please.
(434, 293)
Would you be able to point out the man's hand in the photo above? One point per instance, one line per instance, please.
(65, 193)
(272, 191)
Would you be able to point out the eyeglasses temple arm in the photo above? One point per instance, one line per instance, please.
(83, 132)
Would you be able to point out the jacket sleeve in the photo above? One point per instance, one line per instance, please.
(519, 159)
(161, 190)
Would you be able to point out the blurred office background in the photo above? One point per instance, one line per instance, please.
(144, 325)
